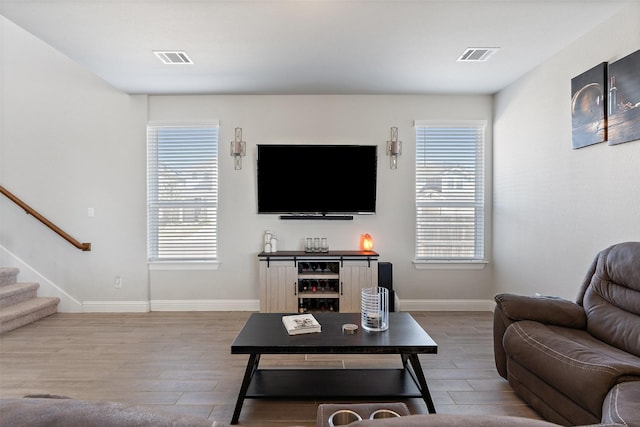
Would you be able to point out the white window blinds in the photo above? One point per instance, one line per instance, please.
(182, 193)
(450, 191)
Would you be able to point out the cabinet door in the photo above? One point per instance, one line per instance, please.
(278, 287)
(354, 276)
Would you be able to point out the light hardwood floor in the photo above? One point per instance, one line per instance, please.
(182, 362)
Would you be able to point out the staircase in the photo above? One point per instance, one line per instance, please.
(19, 303)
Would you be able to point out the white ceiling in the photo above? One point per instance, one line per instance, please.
(308, 46)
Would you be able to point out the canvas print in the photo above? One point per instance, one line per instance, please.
(624, 100)
(588, 107)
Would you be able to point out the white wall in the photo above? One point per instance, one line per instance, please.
(317, 119)
(554, 207)
(70, 142)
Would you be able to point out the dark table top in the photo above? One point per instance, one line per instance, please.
(264, 333)
(330, 254)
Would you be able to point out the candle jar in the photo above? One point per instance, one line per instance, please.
(375, 309)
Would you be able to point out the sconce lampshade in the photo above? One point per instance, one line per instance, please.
(366, 242)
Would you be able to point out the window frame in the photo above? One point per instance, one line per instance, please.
(478, 203)
(155, 260)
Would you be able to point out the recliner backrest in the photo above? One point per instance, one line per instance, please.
(611, 298)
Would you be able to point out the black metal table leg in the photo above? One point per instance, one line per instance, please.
(252, 366)
(420, 379)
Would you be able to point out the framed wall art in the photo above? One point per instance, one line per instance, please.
(588, 107)
(623, 122)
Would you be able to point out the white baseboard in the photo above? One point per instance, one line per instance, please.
(445, 305)
(254, 305)
(115, 307)
(205, 305)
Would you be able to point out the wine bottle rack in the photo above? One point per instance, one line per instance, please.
(318, 286)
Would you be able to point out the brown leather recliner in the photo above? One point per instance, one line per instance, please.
(577, 362)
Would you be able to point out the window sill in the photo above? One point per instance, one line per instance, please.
(449, 265)
(183, 265)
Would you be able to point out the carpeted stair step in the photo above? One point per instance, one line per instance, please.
(17, 293)
(26, 312)
(8, 275)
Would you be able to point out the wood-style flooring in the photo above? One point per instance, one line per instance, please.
(182, 362)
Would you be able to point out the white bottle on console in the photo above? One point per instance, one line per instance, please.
(267, 241)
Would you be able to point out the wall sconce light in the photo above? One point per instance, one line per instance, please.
(394, 148)
(238, 149)
(366, 242)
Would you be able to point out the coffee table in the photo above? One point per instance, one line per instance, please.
(264, 334)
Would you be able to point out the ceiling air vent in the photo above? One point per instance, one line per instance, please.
(173, 57)
(477, 54)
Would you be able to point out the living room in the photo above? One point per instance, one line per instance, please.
(541, 194)
(70, 142)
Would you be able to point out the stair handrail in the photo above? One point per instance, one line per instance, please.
(30, 211)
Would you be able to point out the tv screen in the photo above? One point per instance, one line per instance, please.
(317, 179)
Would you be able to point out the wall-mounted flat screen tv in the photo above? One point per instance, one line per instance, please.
(317, 179)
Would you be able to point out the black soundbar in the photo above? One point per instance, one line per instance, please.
(327, 217)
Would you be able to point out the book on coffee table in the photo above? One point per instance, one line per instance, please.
(301, 324)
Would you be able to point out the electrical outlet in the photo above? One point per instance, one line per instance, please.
(118, 281)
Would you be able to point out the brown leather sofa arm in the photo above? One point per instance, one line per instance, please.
(547, 310)
(621, 406)
(513, 308)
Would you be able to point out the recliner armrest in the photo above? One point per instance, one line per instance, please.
(547, 310)
(621, 405)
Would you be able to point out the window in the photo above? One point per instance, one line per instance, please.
(450, 191)
(182, 193)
